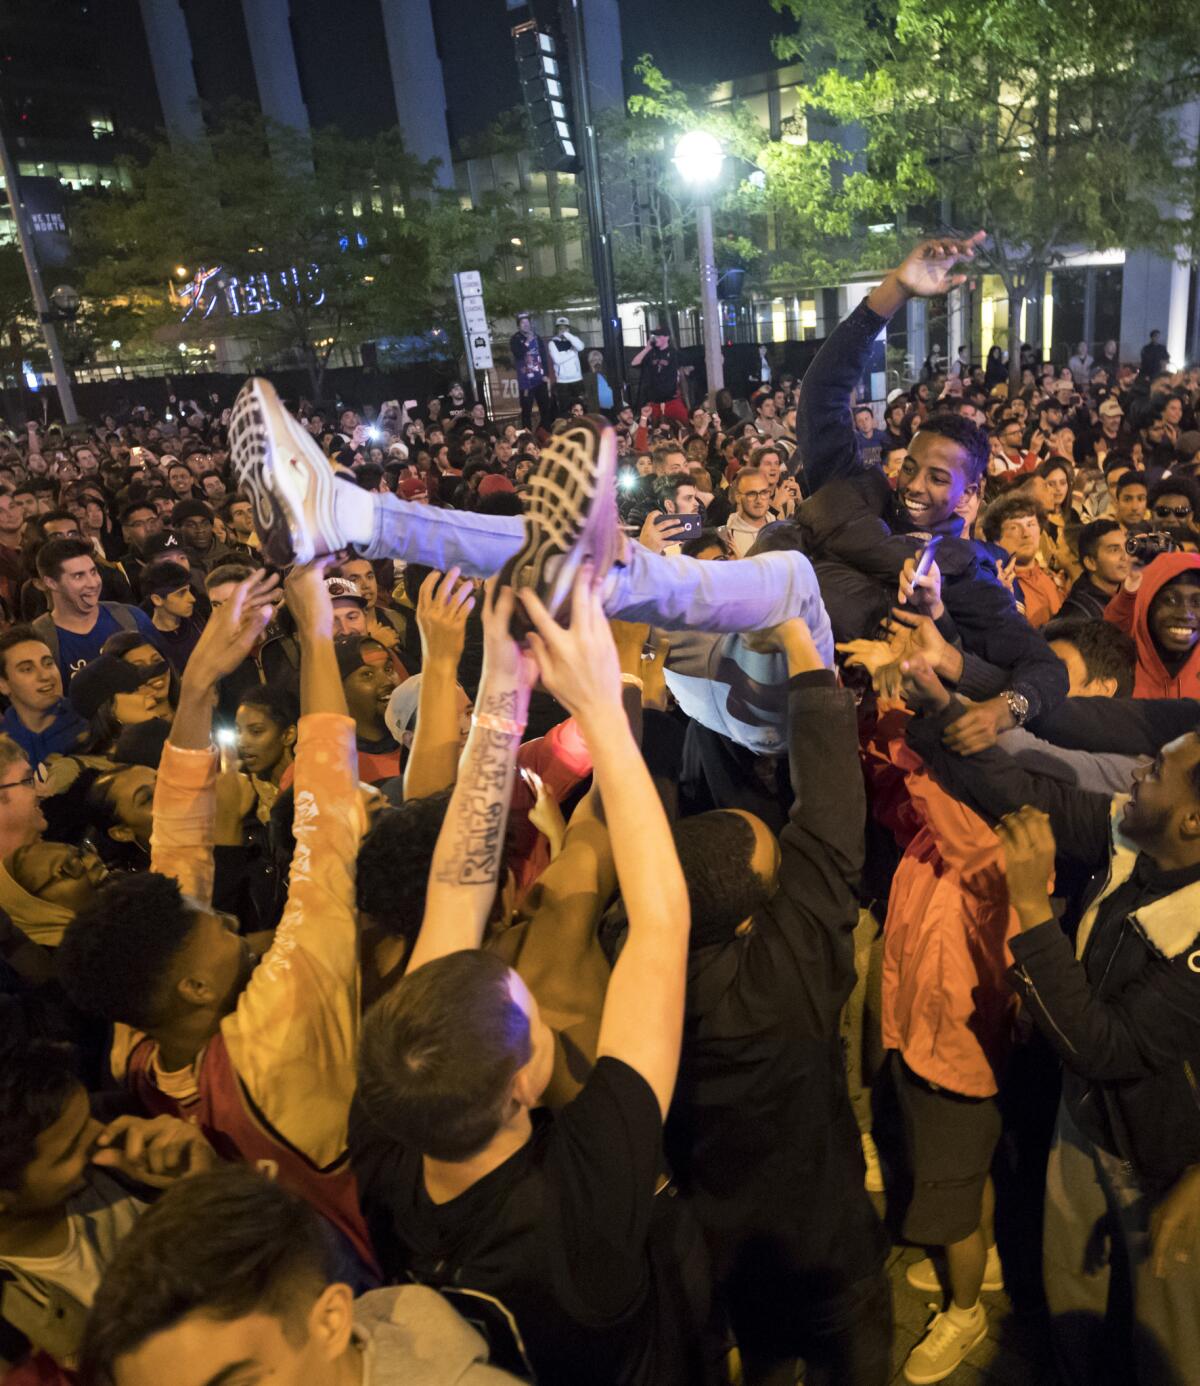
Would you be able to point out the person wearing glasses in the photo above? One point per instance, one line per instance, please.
(1174, 502)
(39, 719)
(751, 495)
(21, 817)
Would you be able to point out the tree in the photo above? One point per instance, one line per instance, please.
(1048, 125)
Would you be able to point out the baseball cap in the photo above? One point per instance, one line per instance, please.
(894, 395)
(160, 579)
(411, 487)
(1111, 407)
(402, 706)
(343, 589)
(562, 322)
(106, 676)
(492, 484)
(353, 651)
(161, 543)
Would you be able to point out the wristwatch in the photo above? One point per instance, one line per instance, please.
(1018, 706)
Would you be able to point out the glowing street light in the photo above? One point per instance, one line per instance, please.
(699, 159)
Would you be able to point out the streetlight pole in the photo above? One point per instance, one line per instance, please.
(699, 157)
(62, 379)
(593, 191)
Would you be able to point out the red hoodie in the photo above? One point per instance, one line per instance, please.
(1130, 611)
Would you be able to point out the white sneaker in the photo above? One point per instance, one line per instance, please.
(943, 1347)
(288, 479)
(923, 1275)
(873, 1182)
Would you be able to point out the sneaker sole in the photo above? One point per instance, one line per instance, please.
(928, 1378)
(266, 467)
(570, 513)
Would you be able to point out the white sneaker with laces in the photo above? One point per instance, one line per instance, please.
(289, 480)
(923, 1275)
(944, 1346)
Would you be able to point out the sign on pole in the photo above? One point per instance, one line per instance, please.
(472, 317)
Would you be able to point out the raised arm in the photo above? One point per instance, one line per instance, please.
(181, 843)
(293, 1037)
(824, 427)
(443, 606)
(466, 861)
(642, 1023)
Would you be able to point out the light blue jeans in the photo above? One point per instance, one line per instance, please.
(673, 592)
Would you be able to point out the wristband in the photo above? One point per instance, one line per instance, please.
(633, 681)
(503, 725)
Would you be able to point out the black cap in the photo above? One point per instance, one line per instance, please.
(353, 651)
(190, 510)
(103, 678)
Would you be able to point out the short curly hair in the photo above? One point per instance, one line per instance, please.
(1011, 507)
(36, 1081)
(115, 959)
(394, 861)
(970, 438)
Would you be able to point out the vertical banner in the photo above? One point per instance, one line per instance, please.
(472, 317)
(46, 211)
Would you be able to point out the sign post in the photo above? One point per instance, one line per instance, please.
(472, 318)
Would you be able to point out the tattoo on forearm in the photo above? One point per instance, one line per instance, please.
(480, 818)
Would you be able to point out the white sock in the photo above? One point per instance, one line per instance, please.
(353, 512)
(964, 1318)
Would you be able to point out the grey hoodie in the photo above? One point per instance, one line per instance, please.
(412, 1337)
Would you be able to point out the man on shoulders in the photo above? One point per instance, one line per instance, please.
(78, 622)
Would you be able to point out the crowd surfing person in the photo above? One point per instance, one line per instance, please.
(441, 858)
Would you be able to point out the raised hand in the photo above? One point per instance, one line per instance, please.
(1029, 849)
(443, 605)
(930, 270)
(234, 629)
(308, 598)
(578, 665)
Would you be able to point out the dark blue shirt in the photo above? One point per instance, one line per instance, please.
(75, 650)
(59, 738)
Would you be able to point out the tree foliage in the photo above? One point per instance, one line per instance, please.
(354, 238)
(1050, 125)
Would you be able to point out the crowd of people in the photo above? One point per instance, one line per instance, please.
(443, 859)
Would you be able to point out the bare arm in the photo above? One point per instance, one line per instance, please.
(442, 610)
(466, 861)
(642, 1022)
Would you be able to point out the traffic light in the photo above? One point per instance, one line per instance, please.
(544, 86)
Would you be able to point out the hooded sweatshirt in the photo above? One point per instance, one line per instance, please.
(1130, 611)
(44, 921)
(412, 1337)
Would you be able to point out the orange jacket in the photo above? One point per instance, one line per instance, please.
(946, 1005)
(1130, 612)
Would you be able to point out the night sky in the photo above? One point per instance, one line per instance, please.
(701, 41)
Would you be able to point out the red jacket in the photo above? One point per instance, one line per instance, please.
(1130, 612)
(946, 1005)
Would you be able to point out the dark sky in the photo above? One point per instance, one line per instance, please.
(702, 41)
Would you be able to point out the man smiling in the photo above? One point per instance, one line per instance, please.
(1159, 605)
(868, 536)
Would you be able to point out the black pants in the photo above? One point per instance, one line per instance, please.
(844, 1340)
(540, 393)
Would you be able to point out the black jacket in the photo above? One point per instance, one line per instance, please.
(858, 537)
(1124, 1016)
(1124, 726)
(761, 1134)
(1085, 600)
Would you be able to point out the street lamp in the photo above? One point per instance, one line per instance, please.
(699, 159)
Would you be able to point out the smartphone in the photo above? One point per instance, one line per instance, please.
(685, 526)
(927, 556)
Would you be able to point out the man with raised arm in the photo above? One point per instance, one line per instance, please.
(544, 1227)
(262, 1057)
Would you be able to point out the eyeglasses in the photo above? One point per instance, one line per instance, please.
(753, 495)
(20, 784)
(1165, 512)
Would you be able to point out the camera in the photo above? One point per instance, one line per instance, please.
(1144, 548)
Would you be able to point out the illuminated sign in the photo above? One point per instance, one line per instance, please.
(211, 290)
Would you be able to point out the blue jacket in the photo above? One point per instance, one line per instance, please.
(60, 737)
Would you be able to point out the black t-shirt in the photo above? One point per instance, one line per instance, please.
(660, 375)
(565, 1239)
